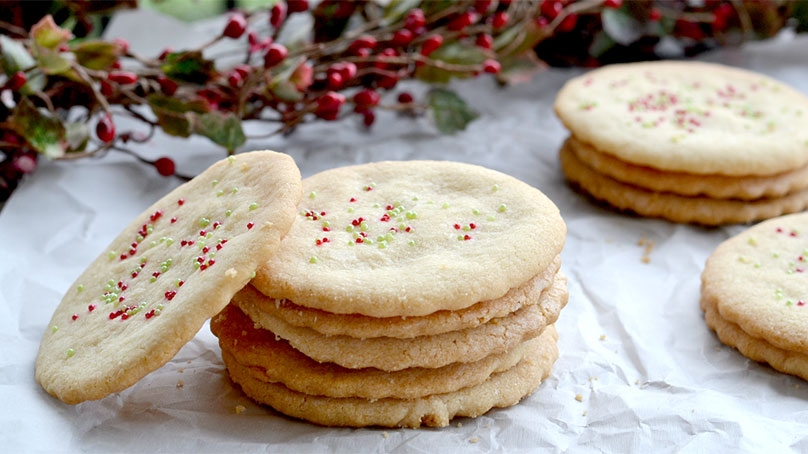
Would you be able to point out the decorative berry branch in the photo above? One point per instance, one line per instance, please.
(57, 87)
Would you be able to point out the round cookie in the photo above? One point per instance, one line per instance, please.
(273, 360)
(412, 238)
(688, 184)
(176, 265)
(391, 354)
(758, 280)
(500, 390)
(756, 349)
(687, 116)
(676, 208)
(362, 326)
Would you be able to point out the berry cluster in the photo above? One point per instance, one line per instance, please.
(358, 52)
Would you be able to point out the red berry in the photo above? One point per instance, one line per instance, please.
(345, 69)
(107, 89)
(568, 23)
(122, 44)
(721, 16)
(335, 81)
(367, 98)
(122, 77)
(24, 162)
(368, 117)
(654, 15)
(482, 5)
(612, 3)
(551, 8)
(463, 20)
(16, 81)
(105, 129)
(431, 44)
(491, 66)
(328, 105)
(257, 43)
(402, 37)
(363, 42)
(404, 98)
(165, 53)
(484, 40)
(415, 19)
(235, 79)
(500, 19)
(236, 26)
(297, 6)
(116, 65)
(275, 54)
(387, 82)
(168, 86)
(382, 61)
(165, 166)
(243, 70)
(277, 14)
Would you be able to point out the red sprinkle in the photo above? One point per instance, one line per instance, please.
(180, 202)
(170, 295)
(149, 314)
(801, 303)
(466, 237)
(472, 226)
(173, 220)
(457, 226)
(91, 307)
(385, 218)
(352, 200)
(179, 284)
(250, 225)
(156, 215)
(75, 316)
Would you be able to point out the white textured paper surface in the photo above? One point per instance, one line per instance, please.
(649, 374)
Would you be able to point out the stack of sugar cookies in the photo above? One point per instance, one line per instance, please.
(686, 141)
(755, 293)
(405, 294)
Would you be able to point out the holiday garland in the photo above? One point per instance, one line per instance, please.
(62, 92)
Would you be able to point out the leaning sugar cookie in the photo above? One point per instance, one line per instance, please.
(176, 265)
(758, 281)
(411, 238)
(692, 117)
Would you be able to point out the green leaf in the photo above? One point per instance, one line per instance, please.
(600, 44)
(519, 68)
(450, 112)
(621, 26)
(285, 90)
(189, 67)
(436, 6)
(77, 136)
(49, 35)
(222, 128)
(43, 133)
(174, 116)
(456, 53)
(96, 54)
(15, 57)
(519, 39)
(52, 62)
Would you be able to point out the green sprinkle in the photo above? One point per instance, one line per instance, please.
(219, 193)
(411, 242)
(326, 224)
(466, 228)
(231, 159)
(350, 243)
(368, 241)
(411, 215)
(70, 352)
(744, 259)
(475, 211)
(502, 208)
(313, 260)
(460, 237)
(789, 303)
(376, 205)
(54, 328)
(149, 229)
(445, 205)
(203, 222)
(312, 194)
(491, 218)
(169, 241)
(775, 254)
(382, 244)
(152, 279)
(234, 191)
(253, 206)
(349, 229)
(228, 213)
(495, 187)
(752, 241)
(350, 209)
(214, 182)
(139, 238)
(363, 226)
(252, 275)
(80, 288)
(415, 199)
(112, 255)
(389, 237)
(153, 244)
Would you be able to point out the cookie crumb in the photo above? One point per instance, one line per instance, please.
(240, 409)
(180, 383)
(603, 337)
(460, 424)
(595, 378)
(181, 370)
(649, 246)
(584, 413)
(579, 398)
(385, 434)
(474, 440)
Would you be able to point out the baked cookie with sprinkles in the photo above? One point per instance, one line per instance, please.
(172, 268)
(686, 141)
(755, 293)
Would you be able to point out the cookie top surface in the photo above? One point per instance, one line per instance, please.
(689, 116)
(759, 281)
(173, 267)
(411, 238)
